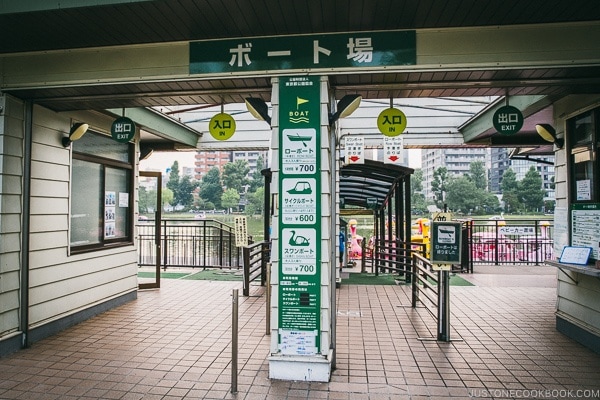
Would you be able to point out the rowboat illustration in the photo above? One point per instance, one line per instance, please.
(298, 138)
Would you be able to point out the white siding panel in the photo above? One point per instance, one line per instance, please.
(63, 284)
(60, 306)
(9, 301)
(10, 262)
(583, 298)
(50, 154)
(41, 205)
(11, 170)
(65, 271)
(10, 184)
(51, 172)
(9, 321)
(48, 240)
(48, 223)
(11, 165)
(10, 242)
(45, 257)
(10, 204)
(10, 223)
(45, 188)
(10, 281)
(75, 284)
(12, 142)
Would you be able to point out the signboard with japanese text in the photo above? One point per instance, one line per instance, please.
(222, 126)
(299, 227)
(355, 150)
(508, 120)
(122, 129)
(241, 231)
(445, 243)
(585, 227)
(392, 150)
(339, 50)
(391, 122)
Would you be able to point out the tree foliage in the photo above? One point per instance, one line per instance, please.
(463, 195)
(257, 180)
(230, 198)
(256, 202)
(477, 175)
(235, 175)
(417, 197)
(438, 185)
(181, 188)
(531, 191)
(211, 188)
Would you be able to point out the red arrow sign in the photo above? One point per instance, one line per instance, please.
(354, 158)
(393, 158)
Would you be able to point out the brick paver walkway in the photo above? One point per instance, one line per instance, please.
(174, 343)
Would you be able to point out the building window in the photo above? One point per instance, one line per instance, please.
(583, 132)
(101, 193)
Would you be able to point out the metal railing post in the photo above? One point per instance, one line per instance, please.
(246, 270)
(234, 340)
(414, 282)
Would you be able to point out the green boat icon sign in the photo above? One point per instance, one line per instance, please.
(298, 138)
(301, 187)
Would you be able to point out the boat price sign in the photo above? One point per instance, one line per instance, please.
(299, 151)
(299, 201)
(299, 227)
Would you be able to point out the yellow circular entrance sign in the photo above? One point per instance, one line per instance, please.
(391, 122)
(222, 126)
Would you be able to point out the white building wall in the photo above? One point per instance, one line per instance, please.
(62, 284)
(11, 178)
(577, 303)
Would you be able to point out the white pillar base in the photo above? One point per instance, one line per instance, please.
(300, 368)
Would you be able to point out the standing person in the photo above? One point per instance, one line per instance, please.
(342, 248)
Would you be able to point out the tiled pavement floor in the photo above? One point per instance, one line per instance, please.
(174, 343)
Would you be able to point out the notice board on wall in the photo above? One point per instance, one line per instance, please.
(585, 227)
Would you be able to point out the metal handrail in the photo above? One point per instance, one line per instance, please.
(255, 258)
(189, 243)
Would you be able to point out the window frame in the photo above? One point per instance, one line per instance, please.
(104, 162)
(593, 146)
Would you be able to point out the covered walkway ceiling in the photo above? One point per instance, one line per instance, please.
(371, 180)
(51, 26)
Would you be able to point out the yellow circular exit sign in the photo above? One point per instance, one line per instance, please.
(222, 126)
(391, 122)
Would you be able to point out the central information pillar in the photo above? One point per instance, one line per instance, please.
(301, 243)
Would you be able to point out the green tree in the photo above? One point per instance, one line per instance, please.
(509, 181)
(144, 199)
(510, 188)
(438, 185)
(211, 188)
(185, 191)
(235, 175)
(167, 196)
(417, 197)
(257, 180)
(173, 181)
(256, 202)
(230, 198)
(456, 198)
(530, 190)
(477, 175)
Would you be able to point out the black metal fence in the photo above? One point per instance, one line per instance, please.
(508, 241)
(189, 243)
(256, 257)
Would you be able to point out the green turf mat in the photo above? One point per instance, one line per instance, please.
(388, 279)
(165, 275)
(370, 279)
(216, 275)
